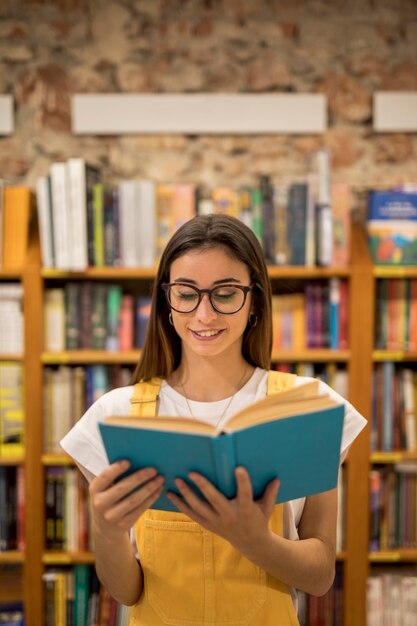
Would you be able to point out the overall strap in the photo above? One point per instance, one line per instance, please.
(144, 399)
(146, 393)
(279, 381)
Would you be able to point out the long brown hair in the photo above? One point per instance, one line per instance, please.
(161, 354)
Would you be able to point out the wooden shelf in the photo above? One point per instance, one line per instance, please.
(12, 460)
(378, 356)
(12, 557)
(56, 459)
(396, 556)
(119, 273)
(393, 457)
(308, 273)
(101, 273)
(389, 271)
(311, 355)
(10, 274)
(11, 357)
(67, 558)
(73, 357)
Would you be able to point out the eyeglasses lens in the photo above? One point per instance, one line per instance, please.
(224, 299)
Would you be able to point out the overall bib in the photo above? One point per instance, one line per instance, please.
(193, 577)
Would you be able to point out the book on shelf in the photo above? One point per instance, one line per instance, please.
(82, 177)
(17, 211)
(61, 219)
(137, 215)
(11, 318)
(11, 408)
(392, 227)
(45, 220)
(341, 202)
(296, 434)
(320, 170)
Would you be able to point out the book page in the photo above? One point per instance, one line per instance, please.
(299, 399)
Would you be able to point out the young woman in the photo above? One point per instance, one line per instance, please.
(207, 354)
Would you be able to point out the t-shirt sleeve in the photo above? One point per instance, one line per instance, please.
(83, 442)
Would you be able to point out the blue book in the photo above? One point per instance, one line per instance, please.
(392, 227)
(294, 436)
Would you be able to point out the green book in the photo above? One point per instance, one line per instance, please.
(294, 436)
(82, 590)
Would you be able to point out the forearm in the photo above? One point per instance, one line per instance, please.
(307, 564)
(117, 567)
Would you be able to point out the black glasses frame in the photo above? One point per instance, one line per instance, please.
(245, 288)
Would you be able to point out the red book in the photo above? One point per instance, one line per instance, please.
(126, 327)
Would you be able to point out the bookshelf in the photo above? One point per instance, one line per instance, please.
(355, 559)
(357, 359)
(400, 558)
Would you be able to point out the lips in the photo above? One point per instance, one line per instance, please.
(206, 334)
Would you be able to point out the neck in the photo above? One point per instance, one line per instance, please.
(211, 379)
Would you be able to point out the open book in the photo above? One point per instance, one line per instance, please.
(294, 436)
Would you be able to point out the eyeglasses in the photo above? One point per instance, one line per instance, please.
(226, 299)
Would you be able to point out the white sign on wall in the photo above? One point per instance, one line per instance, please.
(114, 114)
(6, 115)
(395, 111)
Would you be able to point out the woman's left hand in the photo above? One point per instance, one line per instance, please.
(240, 520)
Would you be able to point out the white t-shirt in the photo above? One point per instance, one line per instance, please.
(83, 442)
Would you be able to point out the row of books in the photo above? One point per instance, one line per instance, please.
(392, 226)
(394, 408)
(392, 598)
(67, 510)
(84, 222)
(396, 314)
(68, 391)
(11, 318)
(12, 508)
(88, 315)
(74, 597)
(12, 412)
(100, 316)
(16, 205)
(324, 610)
(393, 502)
(315, 318)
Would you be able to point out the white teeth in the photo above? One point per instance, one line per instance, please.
(207, 333)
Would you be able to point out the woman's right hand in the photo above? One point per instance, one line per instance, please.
(116, 506)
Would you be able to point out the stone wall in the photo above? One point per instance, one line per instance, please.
(344, 48)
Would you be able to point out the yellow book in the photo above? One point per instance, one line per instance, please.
(17, 208)
(11, 409)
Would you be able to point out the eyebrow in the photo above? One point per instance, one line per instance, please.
(222, 281)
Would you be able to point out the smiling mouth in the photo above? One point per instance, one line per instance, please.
(207, 334)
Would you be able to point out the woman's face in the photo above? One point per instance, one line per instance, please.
(204, 331)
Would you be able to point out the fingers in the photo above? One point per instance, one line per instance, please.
(125, 512)
(118, 502)
(269, 497)
(244, 487)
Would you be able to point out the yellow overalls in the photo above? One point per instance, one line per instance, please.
(193, 577)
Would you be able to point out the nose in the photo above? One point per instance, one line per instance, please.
(205, 311)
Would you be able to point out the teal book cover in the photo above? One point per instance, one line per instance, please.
(303, 451)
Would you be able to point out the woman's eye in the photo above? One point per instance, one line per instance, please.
(225, 294)
(190, 295)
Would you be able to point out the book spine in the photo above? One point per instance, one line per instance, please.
(297, 223)
(59, 187)
(225, 461)
(72, 316)
(98, 224)
(268, 230)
